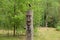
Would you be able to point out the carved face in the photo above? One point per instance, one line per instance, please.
(28, 20)
(28, 17)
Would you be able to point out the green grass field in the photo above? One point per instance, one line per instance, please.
(40, 34)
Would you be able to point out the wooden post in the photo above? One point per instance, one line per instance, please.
(29, 25)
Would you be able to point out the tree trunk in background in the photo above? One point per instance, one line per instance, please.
(29, 25)
(46, 24)
(14, 16)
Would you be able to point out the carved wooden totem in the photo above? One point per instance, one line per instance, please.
(29, 25)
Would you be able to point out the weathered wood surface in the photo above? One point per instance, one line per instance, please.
(29, 25)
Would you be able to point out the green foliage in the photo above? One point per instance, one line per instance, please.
(44, 10)
(58, 28)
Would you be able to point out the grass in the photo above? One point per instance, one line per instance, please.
(47, 34)
(39, 34)
(12, 38)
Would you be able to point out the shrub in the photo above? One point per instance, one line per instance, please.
(58, 28)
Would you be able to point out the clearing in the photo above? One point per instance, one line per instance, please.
(42, 33)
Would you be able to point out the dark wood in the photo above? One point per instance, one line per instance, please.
(14, 15)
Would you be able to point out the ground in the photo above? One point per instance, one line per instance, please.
(42, 33)
(48, 34)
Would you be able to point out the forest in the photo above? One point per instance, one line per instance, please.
(46, 19)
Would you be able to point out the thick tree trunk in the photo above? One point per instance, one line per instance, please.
(29, 25)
